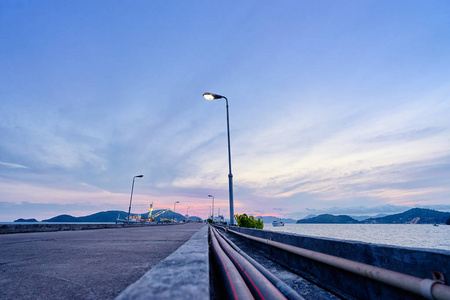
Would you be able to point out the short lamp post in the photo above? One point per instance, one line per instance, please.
(212, 211)
(131, 198)
(210, 96)
(187, 214)
(175, 204)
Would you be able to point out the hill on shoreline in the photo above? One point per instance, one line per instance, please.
(329, 219)
(412, 216)
(104, 216)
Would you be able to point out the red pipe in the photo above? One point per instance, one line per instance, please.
(285, 289)
(258, 284)
(234, 285)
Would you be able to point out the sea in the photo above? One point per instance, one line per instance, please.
(426, 236)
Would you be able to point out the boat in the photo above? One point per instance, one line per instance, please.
(277, 223)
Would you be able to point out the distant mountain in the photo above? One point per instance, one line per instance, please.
(26, 220)
(329, 219)
(270, 219)
(413, 216)
(104, 216)
(62, 218)
(111, 216)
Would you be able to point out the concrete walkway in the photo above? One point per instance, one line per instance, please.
(87, 264)
(182, 275)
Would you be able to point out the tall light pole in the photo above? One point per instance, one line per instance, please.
(210, 96)
(212, 215)
(131, 198)
(175, 205)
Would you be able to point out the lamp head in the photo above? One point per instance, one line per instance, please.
(210, 196)
(211, 96)
(139, 176)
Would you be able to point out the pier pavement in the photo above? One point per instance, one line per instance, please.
(84, 264)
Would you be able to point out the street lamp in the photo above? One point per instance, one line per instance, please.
(212, 215)
(131, 198)
(175, 205)
(187, 213)
(210, 96)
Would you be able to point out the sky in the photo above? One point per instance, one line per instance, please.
(337, 107)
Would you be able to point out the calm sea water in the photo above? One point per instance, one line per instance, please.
(405, 235)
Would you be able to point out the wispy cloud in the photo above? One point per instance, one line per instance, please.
(11, 165)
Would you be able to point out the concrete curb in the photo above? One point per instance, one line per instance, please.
(182, 275)
(27, 228)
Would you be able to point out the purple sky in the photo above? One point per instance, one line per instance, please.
(335, 106)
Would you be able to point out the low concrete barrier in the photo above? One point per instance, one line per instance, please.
(182, 275)
(421, 263)
(37, 227)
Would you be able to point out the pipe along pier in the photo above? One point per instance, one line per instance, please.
(236, 275)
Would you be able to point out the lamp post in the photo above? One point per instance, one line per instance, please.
(210, 96)
(187, 213)
(212, 214)
(175, 205)
(131, 198)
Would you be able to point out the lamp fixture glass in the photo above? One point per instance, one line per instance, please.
(211, 96)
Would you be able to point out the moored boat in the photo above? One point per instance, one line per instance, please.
(277, 223)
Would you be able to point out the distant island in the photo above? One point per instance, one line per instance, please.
(105, 216)
(330, 219)
(412, 216)
(26, 220)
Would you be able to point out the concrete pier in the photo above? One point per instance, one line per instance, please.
(182, 275)
(44, 227)
(85, 264)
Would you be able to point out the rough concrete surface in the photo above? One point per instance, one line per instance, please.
(39, 227)
(87, 264)
(182, 275)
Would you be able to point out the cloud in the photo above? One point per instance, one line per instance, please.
(278, 209)
(11, 165)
